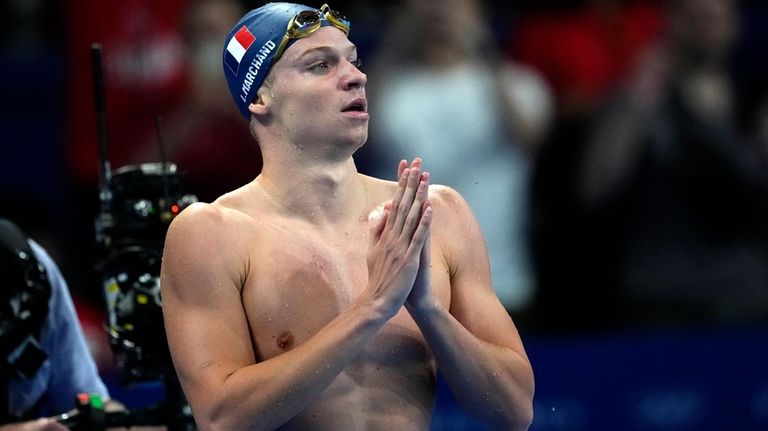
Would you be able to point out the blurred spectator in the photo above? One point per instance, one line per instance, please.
(678, 187)
(442, 92)
(584, 49)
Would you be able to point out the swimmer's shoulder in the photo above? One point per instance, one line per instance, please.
(201, 224)
(219, 221)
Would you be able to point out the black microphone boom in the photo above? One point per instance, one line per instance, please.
(100, 105)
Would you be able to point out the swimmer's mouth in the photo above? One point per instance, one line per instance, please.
(357, 105)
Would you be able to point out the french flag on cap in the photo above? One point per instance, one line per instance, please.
(237, 47)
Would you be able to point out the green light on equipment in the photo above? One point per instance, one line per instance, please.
(96, 402)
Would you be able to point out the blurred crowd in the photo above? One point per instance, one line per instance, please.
(615, 152)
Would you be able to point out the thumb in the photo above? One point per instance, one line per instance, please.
(377, 220)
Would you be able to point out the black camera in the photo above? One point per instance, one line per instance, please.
(131, 229)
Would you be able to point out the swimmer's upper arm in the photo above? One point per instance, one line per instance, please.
(205, 322)
(473, 301)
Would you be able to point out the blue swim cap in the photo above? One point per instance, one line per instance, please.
(250, 47)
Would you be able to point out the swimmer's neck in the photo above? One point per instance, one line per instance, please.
(321, 192)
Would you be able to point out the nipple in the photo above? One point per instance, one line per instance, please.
(284, 340)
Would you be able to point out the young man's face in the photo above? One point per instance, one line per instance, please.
(317, 94)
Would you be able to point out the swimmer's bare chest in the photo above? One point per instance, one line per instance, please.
(298, 282)
(300, 279)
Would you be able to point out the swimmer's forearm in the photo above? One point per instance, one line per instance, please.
(268, 394)
(493, 383)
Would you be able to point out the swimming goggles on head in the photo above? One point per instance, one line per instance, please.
(306, 22)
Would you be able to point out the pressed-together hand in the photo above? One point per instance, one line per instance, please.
(420, 294)
(398, 234)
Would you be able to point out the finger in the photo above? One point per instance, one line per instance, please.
(406, 203)
(412, 220)
(401, 167)
(416, 163)
(401, 185)
(422, 231)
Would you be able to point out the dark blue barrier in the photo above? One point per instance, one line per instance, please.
(671, 380)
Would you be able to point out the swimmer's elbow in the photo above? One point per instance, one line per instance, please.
(515, 418)
(523, 414)
(210, 420)
(524, 418)
(218, 418)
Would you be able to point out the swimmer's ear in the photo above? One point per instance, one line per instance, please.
(259, 107)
